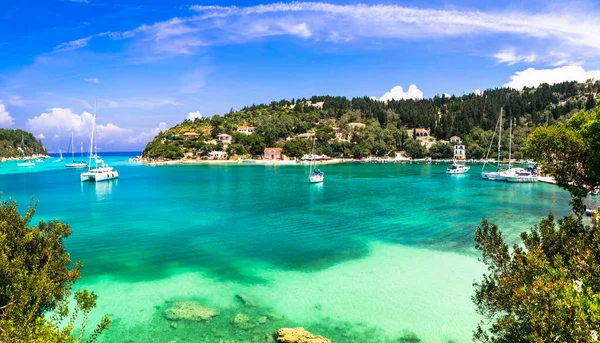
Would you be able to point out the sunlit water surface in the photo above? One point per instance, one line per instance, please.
(377, 253)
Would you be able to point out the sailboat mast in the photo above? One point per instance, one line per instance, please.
(500, 137)
(510, 146)
(72, 148)
(92, 137)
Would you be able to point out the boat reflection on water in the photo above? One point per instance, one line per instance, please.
(103, 190)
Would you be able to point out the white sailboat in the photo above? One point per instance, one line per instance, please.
(101, 172)
(24, 162)
(60, 158)
(517, 175)
(315, 175)
(38, 159)
(74, 163)
(494, 175)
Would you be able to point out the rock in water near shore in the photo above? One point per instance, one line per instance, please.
(188, 310)
(241, 321)
(298, 335)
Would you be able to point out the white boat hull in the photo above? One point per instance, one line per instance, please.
(96, 175)
(26, 164)
(493, 176)
(76, 165)
(522, 179)
(457, 171)
(316, 178)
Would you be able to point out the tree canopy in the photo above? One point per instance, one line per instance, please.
(37, 280)
(10, 143)
(570, 152)
(545, 290)
(471, 117)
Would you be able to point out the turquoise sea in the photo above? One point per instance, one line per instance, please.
(377, 253)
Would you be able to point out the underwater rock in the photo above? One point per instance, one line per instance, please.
(245, 299)
(188, 310)
(298, 335)
(262, 320)
(241, 321)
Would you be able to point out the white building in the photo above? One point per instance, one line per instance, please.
(247, 130)
(459, 152)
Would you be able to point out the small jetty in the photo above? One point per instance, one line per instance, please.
(547, 179)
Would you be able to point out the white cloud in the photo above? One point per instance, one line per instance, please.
(194, 115)
(446, 95)
(532, 77)
(92, 80)
(111, 133)
(146, 136)
(510, 57)
(5, 118)
(564, 28)
(397, 93)
(150, 103)
(75, 44)
(61, 120)
(41, 136)
(193, 81)
(12, 99)
(478, 92)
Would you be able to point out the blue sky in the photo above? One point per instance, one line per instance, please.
(150, 63)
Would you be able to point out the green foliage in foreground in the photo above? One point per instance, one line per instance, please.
(570, 152)
(36, 282)
(545, 290)
(10, 142)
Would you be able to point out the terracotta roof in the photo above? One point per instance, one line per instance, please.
(223, 135)
(272, 149)
(245, 127)
(454, 137)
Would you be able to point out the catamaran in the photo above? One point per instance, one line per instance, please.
(315, 175)
(102, 171)
(494, 175)
(24, 162)
(75, 164)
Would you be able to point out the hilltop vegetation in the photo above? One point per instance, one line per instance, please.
(10, 143)
(472, 117)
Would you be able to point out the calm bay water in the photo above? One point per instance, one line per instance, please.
(374, 253)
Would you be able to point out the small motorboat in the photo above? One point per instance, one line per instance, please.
(589, 212)
(457, 168)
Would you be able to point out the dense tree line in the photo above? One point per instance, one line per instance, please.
(546, 288)
(10, 143)
(472, 117)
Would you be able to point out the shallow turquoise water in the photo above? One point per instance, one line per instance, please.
(379, 250)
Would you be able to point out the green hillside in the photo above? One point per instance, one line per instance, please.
(472, 117)
(10, 143)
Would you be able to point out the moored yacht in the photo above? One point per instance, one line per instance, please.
(457, 168)
(520, 175)
(101, 172)
(494, 175)
(314, 175)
